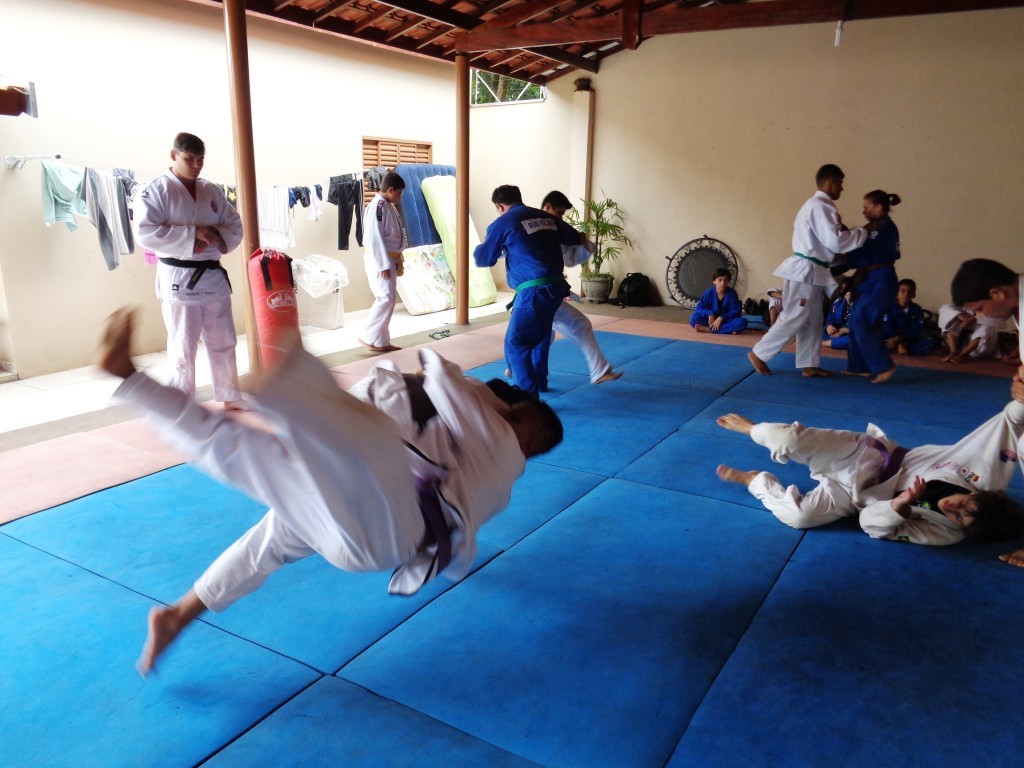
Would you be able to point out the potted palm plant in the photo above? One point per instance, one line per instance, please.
(604, 224)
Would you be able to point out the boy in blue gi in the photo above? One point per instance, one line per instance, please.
(531, 242)
(904, 323)
(719, 309)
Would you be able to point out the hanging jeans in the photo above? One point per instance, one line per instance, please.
(346, 192)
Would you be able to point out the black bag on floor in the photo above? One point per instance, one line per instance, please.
(634, 291)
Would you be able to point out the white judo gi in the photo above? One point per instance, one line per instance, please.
(817, 237)
(986, 330)
(166, 217)
(847, 466)
(338, 478)
(576, 326)
(383, 235)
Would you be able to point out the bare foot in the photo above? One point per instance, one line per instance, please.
(735, 423)
(610, 376)
(884, 376)
(759, 365)
(164, 626)
(235, 405)
(731, 475)
(818, 372)
(385, 348)
(115, 344)
(701, 329)
(854, 373)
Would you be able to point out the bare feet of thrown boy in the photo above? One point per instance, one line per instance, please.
(735, 423)
(115, 344)
(731, 475)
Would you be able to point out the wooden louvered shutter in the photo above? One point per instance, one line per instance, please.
(392, 152)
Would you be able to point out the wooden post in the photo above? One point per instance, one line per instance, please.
(462, 189)
(245, 162)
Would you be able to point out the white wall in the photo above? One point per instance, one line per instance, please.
(116, 80)
(717, 133)
(721, 133)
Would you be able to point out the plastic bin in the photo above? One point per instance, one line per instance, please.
(319, 280)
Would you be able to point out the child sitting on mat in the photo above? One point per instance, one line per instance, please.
(933, 494)
(904, 323)
(837, 325)
(719, 309)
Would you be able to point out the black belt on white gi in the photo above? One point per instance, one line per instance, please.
(197, 267)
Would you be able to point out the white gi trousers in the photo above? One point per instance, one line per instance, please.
(576, 326)
(187, 322)
(840, 461)
(385, 295)
(846, 467)
(802, 317)
(336, 476)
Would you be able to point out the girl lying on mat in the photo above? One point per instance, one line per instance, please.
(933, 494)
(400, 485)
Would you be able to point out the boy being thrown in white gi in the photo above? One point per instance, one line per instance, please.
(949, 492)
(337, 475)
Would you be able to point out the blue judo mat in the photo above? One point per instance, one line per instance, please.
(627, 609)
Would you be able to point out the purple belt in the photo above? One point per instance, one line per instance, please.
(891, 460)
(430, 507)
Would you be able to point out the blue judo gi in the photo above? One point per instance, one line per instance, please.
(872, 299)
(839, 316)
(907, 323)
(531, 242)
(729, 309)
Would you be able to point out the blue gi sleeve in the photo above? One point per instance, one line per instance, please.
(492, 248)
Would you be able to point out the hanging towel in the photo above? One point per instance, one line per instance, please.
(62, 183)
(107, 208)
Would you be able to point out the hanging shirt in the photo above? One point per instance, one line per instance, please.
(62, 183)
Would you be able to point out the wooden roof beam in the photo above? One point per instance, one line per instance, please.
(676, 20)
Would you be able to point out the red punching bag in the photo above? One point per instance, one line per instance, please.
(274, 302)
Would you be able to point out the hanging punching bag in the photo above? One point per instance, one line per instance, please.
(273, 301)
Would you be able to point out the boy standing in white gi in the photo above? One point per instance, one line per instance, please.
(189, 224)
(383, 241)
(338, 476)
(818, 235)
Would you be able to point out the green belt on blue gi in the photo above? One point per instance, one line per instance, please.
(534, 284)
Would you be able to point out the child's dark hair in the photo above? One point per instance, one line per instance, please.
(507, 194)
(909, 283)
(721, 272)
(976, 277)
(883, 198)
(391, 180)
(828, 172)
(997, 518)
(189, 142)
(556, 199)
(549, 431)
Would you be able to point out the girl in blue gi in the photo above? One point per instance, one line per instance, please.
(719, 309)
(837, 326)
(875, 290)
(904, 324)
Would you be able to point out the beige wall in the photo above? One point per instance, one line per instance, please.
(716, 133)
(721, 133)
(116, 80)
